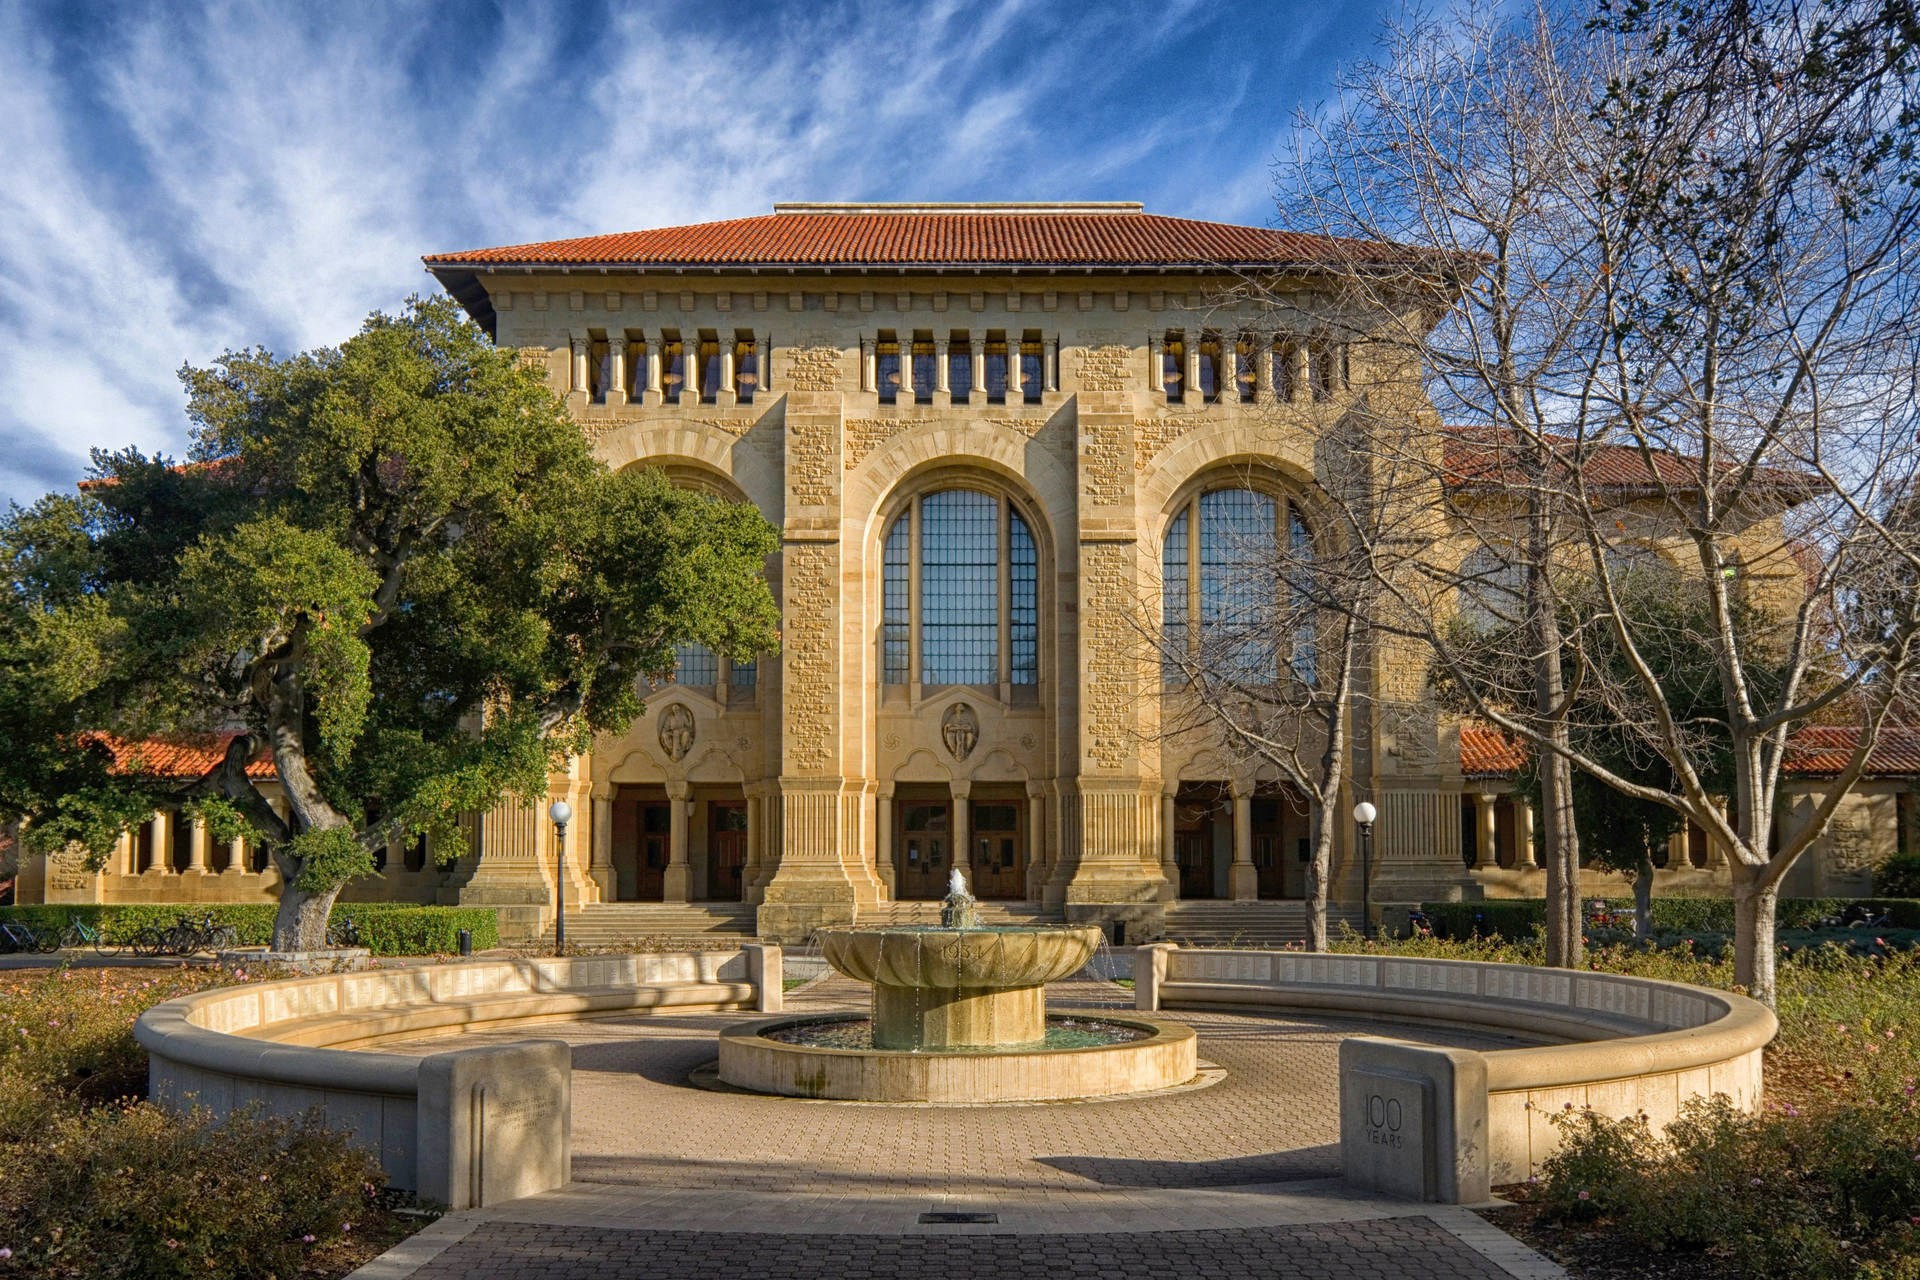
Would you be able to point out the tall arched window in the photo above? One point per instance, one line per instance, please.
(1493, 591)
(1238, 561)
(960, 569)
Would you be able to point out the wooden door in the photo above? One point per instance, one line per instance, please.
(656, 836)
(1270, 852)
(921, 850)
(1193, 851)
(998, 832)
(726, 850)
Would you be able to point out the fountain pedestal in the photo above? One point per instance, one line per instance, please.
(957, 1017)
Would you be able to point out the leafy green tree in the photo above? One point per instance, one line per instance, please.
(394, 567)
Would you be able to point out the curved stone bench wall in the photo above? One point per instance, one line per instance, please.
(1447, 1124)
(466, 1126)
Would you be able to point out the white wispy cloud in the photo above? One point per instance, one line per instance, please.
(187, 179)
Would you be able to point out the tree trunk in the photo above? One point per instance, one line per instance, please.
(1560, 853)
(1317, 872)
(1754, 955)
(1643, 900)
(301, 922)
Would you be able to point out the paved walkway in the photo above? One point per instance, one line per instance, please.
(1239, 1178)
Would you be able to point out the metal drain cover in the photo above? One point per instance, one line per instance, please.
(942, 1219)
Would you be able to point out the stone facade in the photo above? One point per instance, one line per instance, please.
(806, 789)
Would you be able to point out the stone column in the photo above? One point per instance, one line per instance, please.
(1157, 363)
(1261, 346)
(1036, 840)
(675, 883)
(754, 872)
(616, 368)
(1297, 362)
(977, 348)
(904, 394)
(1243, 884)
(1169, 867)
(125, 851)
(237, 858)
(651, 372)
(162, 842)
(962, 828)
(1016, 387)
(883, 838)
(1523, 832)
(763, 362)
(198, 845)
(942, 376)
(869, 365)
(1192, 385)
(602, 865)
(582, 350)
(1486, 831)
(1050, 364)
(728, 388)
(1679, 857)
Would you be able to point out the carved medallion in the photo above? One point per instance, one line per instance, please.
(960, 730)
(676, 732)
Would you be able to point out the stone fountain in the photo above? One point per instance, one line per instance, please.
(959, 1015)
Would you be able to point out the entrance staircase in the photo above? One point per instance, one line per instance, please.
(889, 914)
(608, 924)
(1246, 924)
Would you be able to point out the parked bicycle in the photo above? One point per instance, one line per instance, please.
(18, 935)
(79, 933)
(343, 932)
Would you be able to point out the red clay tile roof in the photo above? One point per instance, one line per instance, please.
(1123, 239)
(1489, 458)
(1485, 752)
(1825, 749)
(1816, 750)
(184, 756)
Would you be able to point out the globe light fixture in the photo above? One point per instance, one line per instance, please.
(1364, 813)
(561, 812)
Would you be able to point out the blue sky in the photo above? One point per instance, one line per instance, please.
(182, 180)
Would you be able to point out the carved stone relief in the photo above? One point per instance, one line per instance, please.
(960, 730)
(676, 732)
(1411, 732)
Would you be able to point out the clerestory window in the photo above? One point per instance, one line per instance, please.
(975, 608)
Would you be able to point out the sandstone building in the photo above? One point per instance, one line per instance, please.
(987, 434)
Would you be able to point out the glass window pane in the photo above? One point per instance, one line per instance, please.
(896, 626)
(697, 665)
(959, 588)
(960, 371)
(1173, 594)
(709, 372)
(747, 371)
(887, 371)
(1032, 380)
(1023, 609)
(1304, 659)
(674, 372)
(924, 373)
(1238, 589)
(743, 675)
(1210, 370)
(996, 357)
(1172, 373)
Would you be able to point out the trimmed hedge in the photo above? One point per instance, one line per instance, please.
(386, 928)
(1515, 919)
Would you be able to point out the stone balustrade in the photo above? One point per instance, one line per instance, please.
(467, 1126)
(1447, 1124)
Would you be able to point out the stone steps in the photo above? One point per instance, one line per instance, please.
(988, 913)
(1246, 924)
(608, 923)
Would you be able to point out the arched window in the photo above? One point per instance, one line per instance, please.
(1239, 562)
(1493, 591)
(976, 605)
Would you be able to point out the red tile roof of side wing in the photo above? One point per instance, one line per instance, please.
(1486, 752)
(939, 239)
(1488, 458)
(1825, 749)
(184, 756)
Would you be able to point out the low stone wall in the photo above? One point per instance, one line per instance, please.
(464, 1127)
(1447, 1124)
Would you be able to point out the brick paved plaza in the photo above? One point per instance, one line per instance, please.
(1237, 1178)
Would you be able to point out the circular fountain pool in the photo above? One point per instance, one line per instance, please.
(802, 1058)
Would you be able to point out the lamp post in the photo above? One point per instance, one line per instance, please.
(1364, 813)
(560, 811)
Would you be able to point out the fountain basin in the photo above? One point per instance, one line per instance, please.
(943, 988)
(1163, 1056)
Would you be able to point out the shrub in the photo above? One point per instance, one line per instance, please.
(134, 1191)
(417, 930)
(1516, 918)
(1899, 877)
